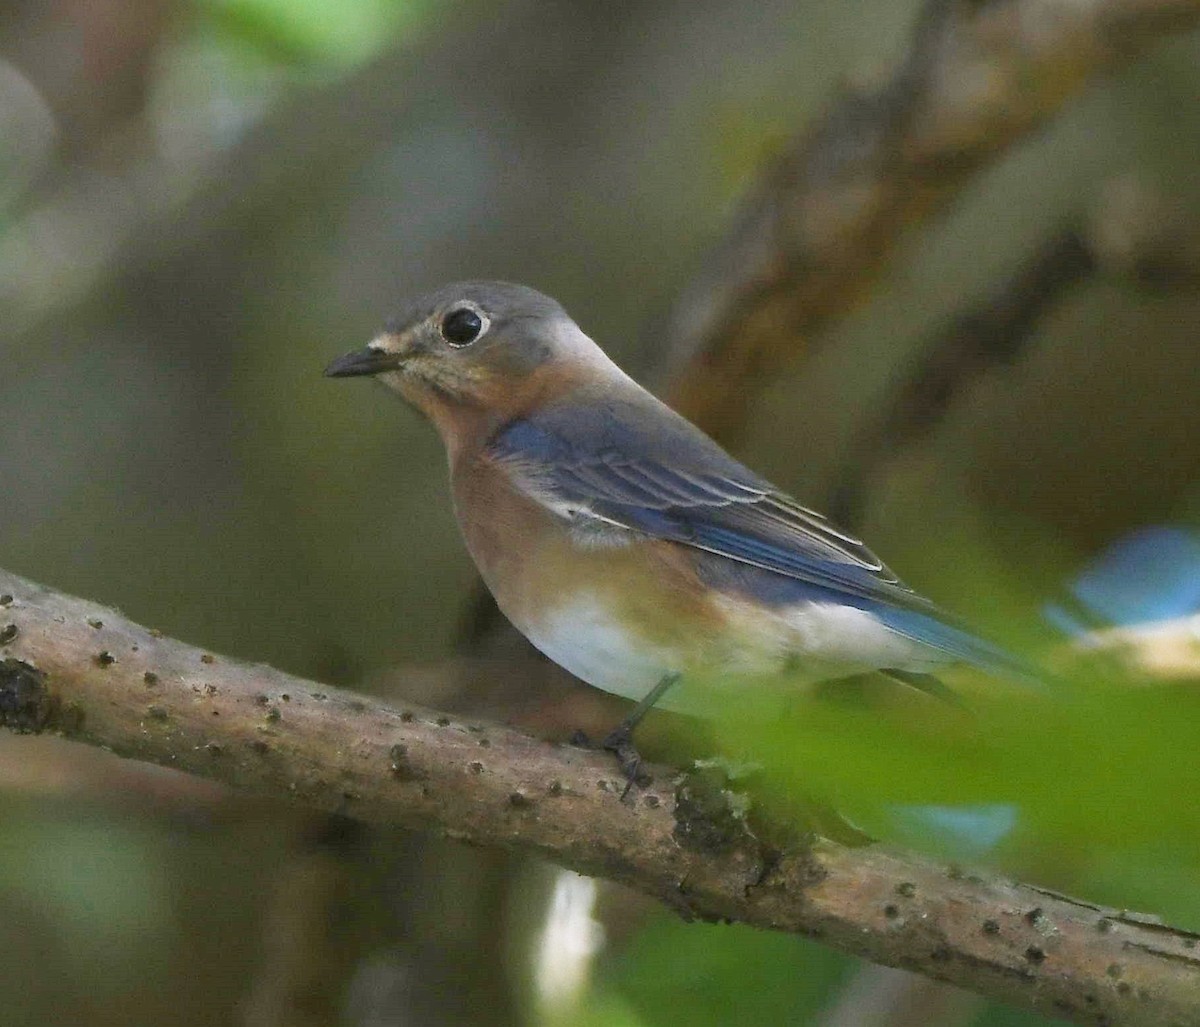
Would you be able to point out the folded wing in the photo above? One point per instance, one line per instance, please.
(632, 462)
(648, 470)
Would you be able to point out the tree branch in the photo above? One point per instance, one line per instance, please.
(991, 333)
(84, 671)
(1130, 233)
(978, 77)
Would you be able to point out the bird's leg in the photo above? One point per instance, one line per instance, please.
(619, 741)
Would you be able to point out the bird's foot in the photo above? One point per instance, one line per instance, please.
(619, 742)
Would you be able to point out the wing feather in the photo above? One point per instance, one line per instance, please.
(631, 462)
(673, 482)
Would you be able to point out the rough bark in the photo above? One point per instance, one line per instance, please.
(84, 671)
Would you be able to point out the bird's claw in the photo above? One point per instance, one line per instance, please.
(620, 744)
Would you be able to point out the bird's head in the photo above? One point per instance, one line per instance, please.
(474, 353)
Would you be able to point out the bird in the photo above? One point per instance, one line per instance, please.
(620, 539)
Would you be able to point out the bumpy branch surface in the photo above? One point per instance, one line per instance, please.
(82, 670)
(980, 75)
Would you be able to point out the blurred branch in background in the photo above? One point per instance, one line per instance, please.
(96, 100)
(1131, 233)
(83, 670)
(883, 996)
(310, 941)
(815, 232)
(42, 768)
(213, 197)
(210, 235)
(991, 334)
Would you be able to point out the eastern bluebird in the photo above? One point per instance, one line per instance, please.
(621, 540)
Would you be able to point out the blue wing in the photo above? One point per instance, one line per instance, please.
(637, 464)
(629, 460)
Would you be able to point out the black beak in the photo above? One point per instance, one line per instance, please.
(363, 361)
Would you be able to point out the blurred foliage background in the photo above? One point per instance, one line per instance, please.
(202, 201)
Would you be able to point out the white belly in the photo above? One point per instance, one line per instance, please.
(829, 639)
(793, 646)
(587, 640)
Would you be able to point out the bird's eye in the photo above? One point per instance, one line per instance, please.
(462, 326)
